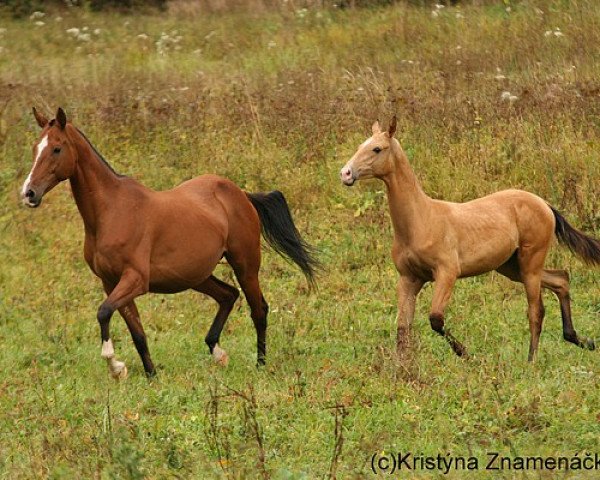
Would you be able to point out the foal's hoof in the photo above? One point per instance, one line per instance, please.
(119, 372)
(220, 356)
(589, 344)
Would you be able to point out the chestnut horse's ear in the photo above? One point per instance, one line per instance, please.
(376, 128)
(392, 128)
(61, 118)
(39, 118)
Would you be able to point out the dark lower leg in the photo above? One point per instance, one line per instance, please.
(441, 296)
(437, 324)
(226, 296)
(558, 282)
(259, 317)
(132, 319)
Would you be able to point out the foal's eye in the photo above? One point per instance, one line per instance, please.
(56, 150)
(377, 149)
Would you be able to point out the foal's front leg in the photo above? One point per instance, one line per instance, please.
(408, 289)
(130, 286)
(444, 282)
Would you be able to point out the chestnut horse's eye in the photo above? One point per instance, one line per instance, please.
(56, 150)
(377, 149)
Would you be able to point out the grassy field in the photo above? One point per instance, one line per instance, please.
(280, 100)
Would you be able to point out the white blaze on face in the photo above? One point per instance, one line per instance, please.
(39, 149)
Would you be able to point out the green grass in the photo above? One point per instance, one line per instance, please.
(281, 100)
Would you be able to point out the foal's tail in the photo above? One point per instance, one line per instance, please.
(585, 247)
(281, 234)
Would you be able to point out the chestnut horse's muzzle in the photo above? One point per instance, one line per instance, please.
(31, 198)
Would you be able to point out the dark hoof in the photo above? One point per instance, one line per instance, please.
(460, 350)
(260, 363)
(457, 347)
(151, 375)
(589, 344)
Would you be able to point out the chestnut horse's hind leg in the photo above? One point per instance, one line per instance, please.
(132, 319)
(130, 286)
(441, 296)
(226, 296)
(246, 271)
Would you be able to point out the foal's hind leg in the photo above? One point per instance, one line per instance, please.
(444, 282)
(226, 296)
(531, 262)
(558, 282)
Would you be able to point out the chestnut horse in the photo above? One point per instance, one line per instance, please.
(138, 240)
(509, 231)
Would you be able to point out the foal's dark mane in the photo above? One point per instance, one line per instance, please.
(99, 154)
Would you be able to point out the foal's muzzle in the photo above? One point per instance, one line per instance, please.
(347, 176)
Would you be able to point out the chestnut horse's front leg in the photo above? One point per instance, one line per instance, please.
(408, 289)
(132, 319)
(444, 282)
(130, 285)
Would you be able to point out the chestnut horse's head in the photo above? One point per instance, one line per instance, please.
(54, 159)
(373, 157)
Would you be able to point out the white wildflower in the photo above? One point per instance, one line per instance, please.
(39, 23)
(97, 31)
(73, 31)
(271, 44)
(506, 96)
(84, 37)
(58, 19)
(459, 15)
(439, 6)
(500, 77)
(556, 32)
(435, 13)
(36, 14)
(142, 36)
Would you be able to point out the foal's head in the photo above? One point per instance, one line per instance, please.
(53, 158)
(373, 157)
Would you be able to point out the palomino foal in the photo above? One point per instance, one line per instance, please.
(509, 231)
(138, 240)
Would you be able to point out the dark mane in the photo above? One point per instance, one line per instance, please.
(99, 154)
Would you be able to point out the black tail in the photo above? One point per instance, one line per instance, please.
(282, 235)
(585, 247)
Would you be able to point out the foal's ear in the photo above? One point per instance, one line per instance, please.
(376, 128)
(39, 118)
(61, 118)
(392, 128)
